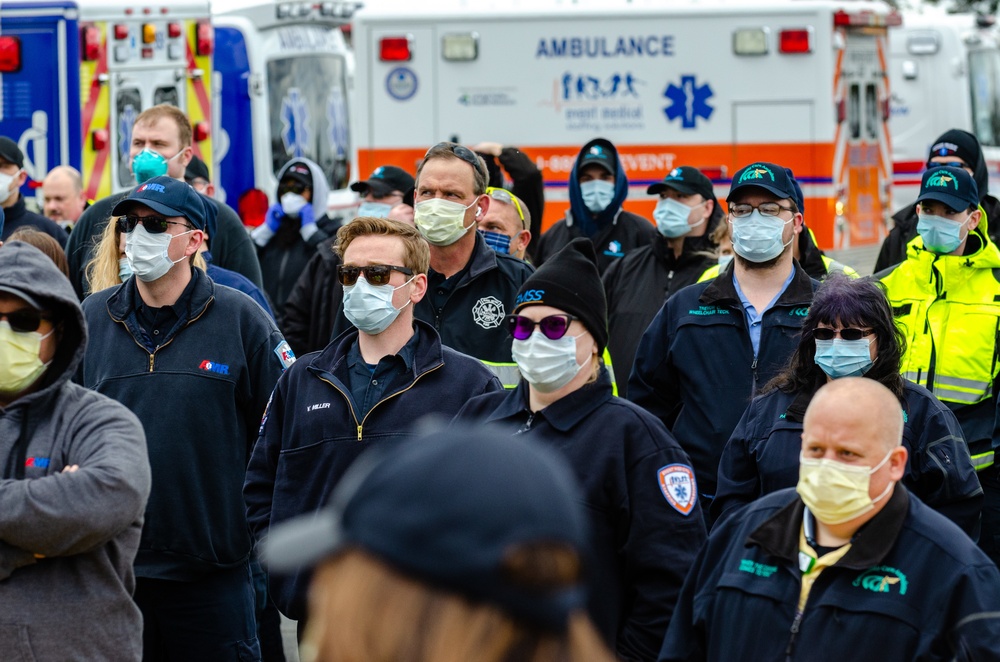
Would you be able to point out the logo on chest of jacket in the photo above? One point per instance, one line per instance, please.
(759, 569)
(488, 312)
(40, 462)
(217, 368)
(614, 249)
(799, 312)
(321, 405)
(881, 579)
(679, 487)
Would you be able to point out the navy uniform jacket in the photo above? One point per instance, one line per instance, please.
(200, 395)
(643, 545)
(695, 369)
(911, 587)
(762, 456)
(471, 321)
(311, 434)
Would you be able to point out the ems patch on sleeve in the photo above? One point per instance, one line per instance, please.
(679, 487)
(285, 354)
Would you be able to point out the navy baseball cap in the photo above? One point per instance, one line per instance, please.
(168, 196)
(686, 180)
(601, 152)
(452, 509)
(385, 180)
(953, 186)
(797, 198)
(768, 176)
(9, 151)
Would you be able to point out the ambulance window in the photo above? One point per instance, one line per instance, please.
(128, 104)
(308, 99)
(871, 111)
(854, 111)
(167, 95)
(984, 82)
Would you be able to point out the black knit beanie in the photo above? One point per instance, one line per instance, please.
(569, 281)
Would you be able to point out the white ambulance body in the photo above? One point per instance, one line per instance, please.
(712, 84)
(944, 74)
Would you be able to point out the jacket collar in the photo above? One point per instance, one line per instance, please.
(483, 258)
(722, 289)
(563, 414)
(429, 353)
(779, 535)
(121, 304)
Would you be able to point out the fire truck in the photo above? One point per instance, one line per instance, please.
(709, 83)
(74, 75)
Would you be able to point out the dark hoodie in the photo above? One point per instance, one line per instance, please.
(67, 540)
(613, 230)
(904, 230)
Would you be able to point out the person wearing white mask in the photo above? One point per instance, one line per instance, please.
(196, 362)
(687, 214)
(367, 388)
(470, 287)
(12, 178)
(387, 187)
(640, 489)
(847, 564)
(714, 344)
(597, 188)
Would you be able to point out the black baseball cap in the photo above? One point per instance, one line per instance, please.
(196, 169)
(686, 180)
(9, 151)
(601, 152)
(768, 176)
(384, 180)
(168, 196)
(951, 186)
(449, 509)
(298, 172)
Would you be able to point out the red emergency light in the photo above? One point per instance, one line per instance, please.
(121, 31)
(394, 49)
(205, 38)
(90, 43)
(99, 139)
(201, 131)
(252, 207)
(174, 30)
(10, 54)
(798, 40)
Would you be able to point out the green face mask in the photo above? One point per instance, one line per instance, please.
(20, 365)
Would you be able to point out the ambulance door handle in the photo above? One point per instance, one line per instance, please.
(195, 74)
(256, 84)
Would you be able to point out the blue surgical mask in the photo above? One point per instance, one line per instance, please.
(498, 241)
(724, 261)
(369, 307)
(597, 194)
(374, 209)
(124, 269)
(148, 164)
(757, 238)
(844, 358)
(941, 235)
(672, 218)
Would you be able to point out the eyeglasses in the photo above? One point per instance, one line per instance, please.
(503, 195)
(375, 274)
(462, 152)
(742, 210)
(823, 333)
(553, 327)
(153, 224)
(292, 187)
(24, 321)
(952, 164)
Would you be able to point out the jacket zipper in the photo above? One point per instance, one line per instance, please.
(159, 347)
(794, 633)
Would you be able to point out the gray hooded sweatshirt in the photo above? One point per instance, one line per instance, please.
(67, 540)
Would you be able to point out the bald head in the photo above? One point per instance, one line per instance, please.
(62, 190)
(861, 405)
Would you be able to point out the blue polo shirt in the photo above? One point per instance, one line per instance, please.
(753, 317)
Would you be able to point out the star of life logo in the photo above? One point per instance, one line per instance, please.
(679, 487)
(295, 130)
(488, 312)
(688, 102)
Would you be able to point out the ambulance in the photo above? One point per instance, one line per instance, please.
(74, 75)
(944, 72)
(708, 83)
(283, 75)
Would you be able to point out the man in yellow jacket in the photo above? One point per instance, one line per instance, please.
(946, 298)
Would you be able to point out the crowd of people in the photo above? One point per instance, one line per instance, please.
(431, 431)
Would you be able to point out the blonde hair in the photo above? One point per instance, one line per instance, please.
(102, 270)
(361, 610)
(416, 254)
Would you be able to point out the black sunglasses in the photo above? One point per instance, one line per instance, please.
(462, 152)
(153, 224)
(292, 187)
(553, 327)
(24, 321)
(375, 274)
(823, 333)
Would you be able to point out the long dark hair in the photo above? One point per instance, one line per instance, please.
(849, 302)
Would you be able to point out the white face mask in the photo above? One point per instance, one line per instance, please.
(6, 190)
(369, 307)
(758, 238)
(672, 217)
(546, 364)
(292, 203)
(147, 253)
(597, 194)
(442, 222)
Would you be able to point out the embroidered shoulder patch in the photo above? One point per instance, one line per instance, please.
(679, 487)
(285, 354)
